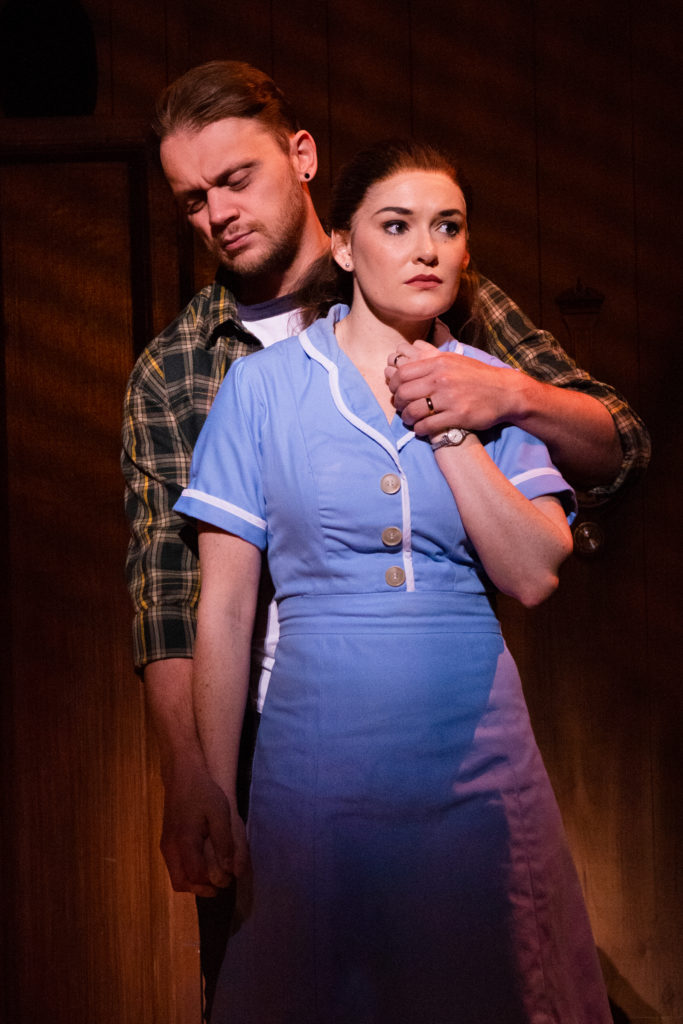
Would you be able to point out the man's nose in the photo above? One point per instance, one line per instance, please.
(221, 207)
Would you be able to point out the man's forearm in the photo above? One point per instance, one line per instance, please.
(168, 688)
(578, 430)
(194, 806)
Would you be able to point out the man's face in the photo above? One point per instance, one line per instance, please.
(240, 191)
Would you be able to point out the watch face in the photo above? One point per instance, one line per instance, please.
(452, 438)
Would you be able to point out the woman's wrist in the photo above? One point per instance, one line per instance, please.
(451, 438)
(451, 451)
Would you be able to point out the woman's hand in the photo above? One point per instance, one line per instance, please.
(225, 847)
(203, 840)
(407, 352)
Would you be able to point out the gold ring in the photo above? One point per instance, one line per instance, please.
(430, 405)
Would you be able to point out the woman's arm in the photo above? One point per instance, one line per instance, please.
(521, 542)
(230, 569)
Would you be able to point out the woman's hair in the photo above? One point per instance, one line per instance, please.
(219, 89)
(326, 283)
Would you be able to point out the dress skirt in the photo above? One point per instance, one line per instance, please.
(409, 860)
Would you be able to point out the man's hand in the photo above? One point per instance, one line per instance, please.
(463, 391)
(578, 430)
(203, 839)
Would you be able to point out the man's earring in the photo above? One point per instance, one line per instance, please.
(306, 175)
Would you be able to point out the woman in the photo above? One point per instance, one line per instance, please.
(409, 862)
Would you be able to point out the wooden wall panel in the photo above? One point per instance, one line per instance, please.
(300, 66)
(564, 117)
(83, 863)
(240, 31)
(658, 85)
(131, 55)
(369, 74)
(604, 696)
(473, 92)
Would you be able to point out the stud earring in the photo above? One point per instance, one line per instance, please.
(307, 176)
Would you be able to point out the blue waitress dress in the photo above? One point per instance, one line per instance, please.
(409, 861)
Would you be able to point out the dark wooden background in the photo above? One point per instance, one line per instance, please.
(567, 117)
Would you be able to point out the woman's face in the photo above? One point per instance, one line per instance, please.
(407, 247)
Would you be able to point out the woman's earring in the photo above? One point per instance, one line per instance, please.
(306, 175)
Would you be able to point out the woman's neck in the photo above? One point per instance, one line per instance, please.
(368, 343)
(366, 339)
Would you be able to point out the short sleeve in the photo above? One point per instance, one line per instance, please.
(521, 457)
(526, 463)
(225, 486)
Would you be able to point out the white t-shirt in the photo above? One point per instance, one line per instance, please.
(271, 321)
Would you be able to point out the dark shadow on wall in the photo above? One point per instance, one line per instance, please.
(48, 59)
(626, 1005)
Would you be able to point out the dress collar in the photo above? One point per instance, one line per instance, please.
(350, 392)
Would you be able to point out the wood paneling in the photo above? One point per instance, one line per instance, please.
(565, 119)
(473, 92)
(86, 928)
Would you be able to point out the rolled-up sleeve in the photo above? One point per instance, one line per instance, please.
(513, 338)
(162, 571)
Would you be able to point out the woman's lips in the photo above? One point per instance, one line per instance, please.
(425, 280)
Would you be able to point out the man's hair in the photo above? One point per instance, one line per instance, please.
(220, 89)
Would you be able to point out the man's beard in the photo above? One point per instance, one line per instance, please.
(283, 241)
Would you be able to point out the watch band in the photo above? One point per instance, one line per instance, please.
(451, 439)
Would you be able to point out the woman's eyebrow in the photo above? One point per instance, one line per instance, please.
(395, 209)
(405, 212)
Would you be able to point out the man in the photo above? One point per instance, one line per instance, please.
(239, 166)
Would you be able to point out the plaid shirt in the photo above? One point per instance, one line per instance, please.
(512, 337)
(169, 395)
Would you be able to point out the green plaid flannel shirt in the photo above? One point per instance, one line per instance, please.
(169, 395)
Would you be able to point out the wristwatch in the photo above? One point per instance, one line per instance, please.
(451, 439)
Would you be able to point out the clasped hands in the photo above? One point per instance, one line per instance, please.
(462, 391)
(204, 839)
